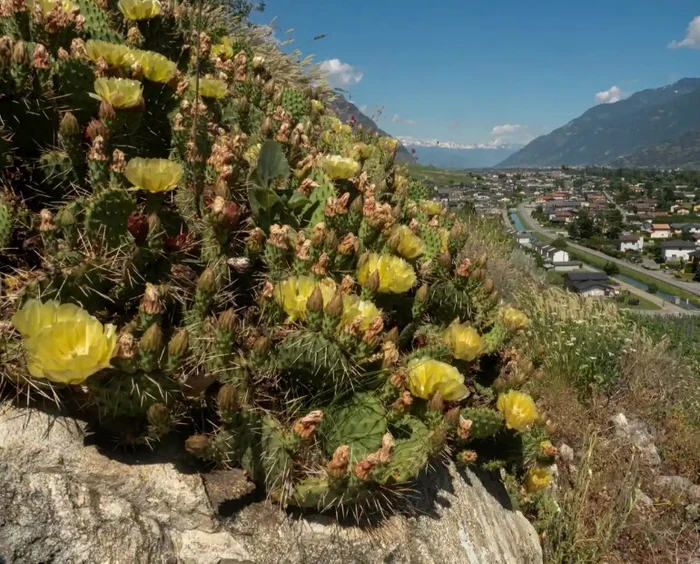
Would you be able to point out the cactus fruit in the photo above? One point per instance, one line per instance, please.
(220, 247)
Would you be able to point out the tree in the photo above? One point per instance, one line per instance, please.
(560, 243)
(611, 269)
(652, 288)
(696, 277)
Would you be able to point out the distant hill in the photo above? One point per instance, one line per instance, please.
(681, 152)
(460, 158)
(654, 118)
(344, 109)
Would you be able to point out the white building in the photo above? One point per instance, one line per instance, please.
(677, 250)
(631, 243)
(551, 254)
(523, 239)
(660, 231)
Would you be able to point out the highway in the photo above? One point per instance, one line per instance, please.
(533, 224)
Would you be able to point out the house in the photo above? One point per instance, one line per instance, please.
(551, 254)
(660, 231)
(589, 284)
(631, 243)
(677, 250)
(695, 238)
(694, 258)
(523, 239)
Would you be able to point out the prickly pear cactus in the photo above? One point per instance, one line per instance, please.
(205, 241)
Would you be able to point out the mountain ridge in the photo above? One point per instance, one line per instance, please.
(608, 132)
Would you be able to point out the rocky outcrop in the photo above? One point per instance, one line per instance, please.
(65, 501)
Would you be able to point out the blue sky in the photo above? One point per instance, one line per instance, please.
(456, 69)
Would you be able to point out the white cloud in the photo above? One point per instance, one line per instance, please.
(340, 73)
(610, 96)
(396, 118)
(507, 130)
(692, 36)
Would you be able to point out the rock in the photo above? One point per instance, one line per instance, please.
(675, 485)
(62, 501)
(566, 453)
(636, 432)
(694, 494)
(641, 499)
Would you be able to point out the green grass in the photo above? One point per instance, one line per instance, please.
(643, 304)
(439, 176)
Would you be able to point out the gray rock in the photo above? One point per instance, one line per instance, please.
(566, 453)
(641, 499)
(674, 485)
(637, 433)
(62, 501)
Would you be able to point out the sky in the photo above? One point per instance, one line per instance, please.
(476, 71)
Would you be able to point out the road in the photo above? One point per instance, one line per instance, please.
(531, 223)
(617, 207)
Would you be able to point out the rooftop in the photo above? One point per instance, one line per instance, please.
(586, 276)
(678, 245)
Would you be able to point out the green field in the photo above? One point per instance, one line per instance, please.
(439, 176)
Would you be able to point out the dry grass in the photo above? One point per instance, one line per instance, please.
(593, 362)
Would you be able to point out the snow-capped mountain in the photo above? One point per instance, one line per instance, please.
(451, 155)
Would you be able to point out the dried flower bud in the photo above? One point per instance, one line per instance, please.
(154, 224)
(151, 302)
(239, 264)
(19, 53)
(445, 260)
(467, 457)
(262, 346)
(392, 336)
(339, 464)
(197, 445)
(373, 281)
(306, 426)
(488, 286)
(266, 127)
(464, 428)
(399, 378)
(177, 348)
(422, 294)
(106, 111)
(452, 417)
(96, 129)
(357, 204)
(46, 224)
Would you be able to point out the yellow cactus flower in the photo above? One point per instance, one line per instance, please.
(409, 245)
(427, 376)
(47, 6)
(212, 88)
(223, 49)
(354, 307)
(396, 276)
(388, 144)
(293, 293)
(514, 319)
(114, 55)
(64, 343)
(518, 409)
(338, 167)
(464, 341)
(139, 9)
(155, 66)
(316, 105)
(537, 479)
(122, 93)
(361, 151)
(431, 207)
(153, 175)
(251, 155)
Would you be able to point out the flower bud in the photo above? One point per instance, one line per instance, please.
(207, 281)
(392, 336)
(452, 417)
(335, 306)
(258, 62)
(422, 294)
(158, 415)
(151, 303)
(227, 321)
(137, 224)
(339, 464)
(19, 53)
(262, 346)
(269, 87)
(445, 260)
(357, 204)
(315, 302)
(154, 224)
(177, 348)
(106, 111)
(152, 340)
(197, 445)
(69, 126)
(436, 403)
(227, 398)
(373, 281)
(467, 457)
(96, 129)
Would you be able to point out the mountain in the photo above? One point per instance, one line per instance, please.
(608, 132)
(344, 109)
(449, 155)
(680, 152)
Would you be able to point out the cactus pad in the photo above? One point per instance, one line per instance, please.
(106, 216)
